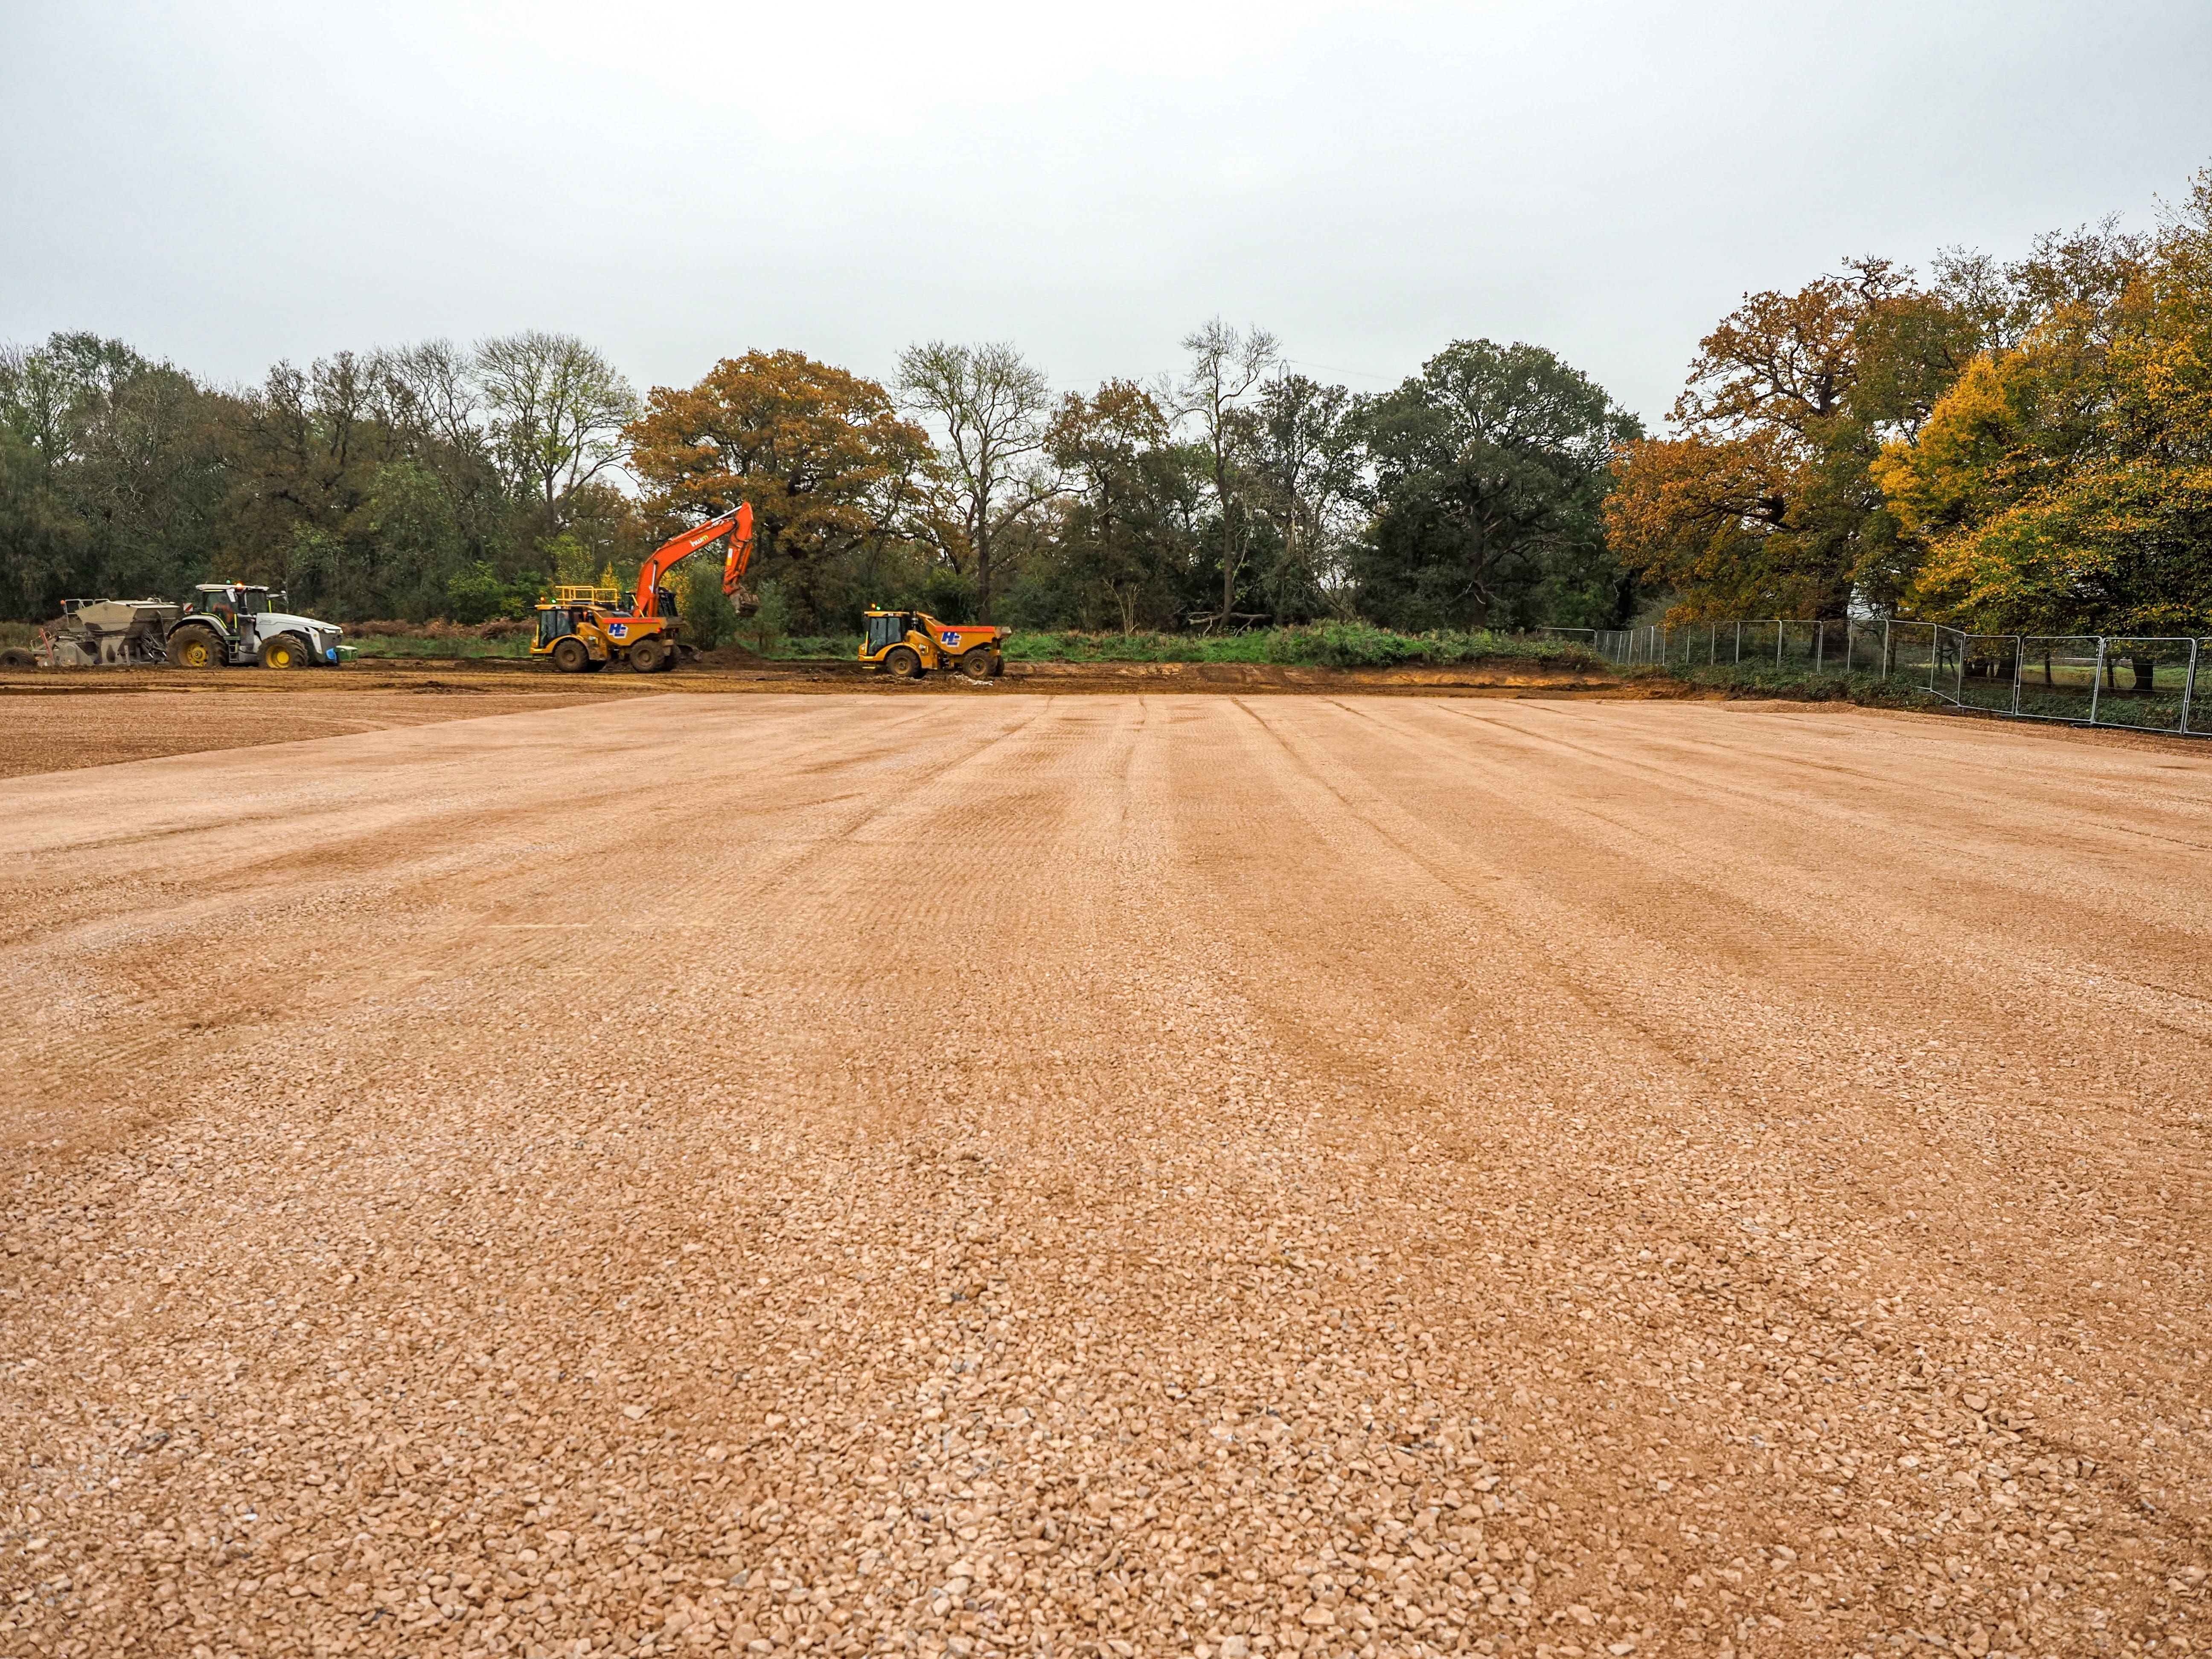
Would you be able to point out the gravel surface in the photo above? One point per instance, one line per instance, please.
(1148, 1175)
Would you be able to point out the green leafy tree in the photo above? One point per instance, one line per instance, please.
(1491, 468)
(709, 618)
(1308, 470)
(41, 544)
(1123, 546)
(116, 478)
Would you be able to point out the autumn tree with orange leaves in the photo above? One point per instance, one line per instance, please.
(1761, 502)
(822, 453)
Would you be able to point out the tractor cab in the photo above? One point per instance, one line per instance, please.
(239, 622)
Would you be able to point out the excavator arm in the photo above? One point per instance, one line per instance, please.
(737, 524)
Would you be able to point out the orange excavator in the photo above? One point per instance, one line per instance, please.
(585, 629)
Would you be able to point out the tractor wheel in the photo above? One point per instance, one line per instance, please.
(904, 661)
(198, 647)
(976, 664)
(285, 651)
(998, 666)
(645, 657)
(571, 656)
(16, 657)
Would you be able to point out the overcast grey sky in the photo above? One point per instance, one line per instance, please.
(225, 184)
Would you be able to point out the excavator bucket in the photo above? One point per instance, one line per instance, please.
(741, 549)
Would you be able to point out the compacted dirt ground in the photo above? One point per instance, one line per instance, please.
(1109, 1175)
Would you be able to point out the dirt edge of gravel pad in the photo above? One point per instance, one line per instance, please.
(44, 735)
(771, 675)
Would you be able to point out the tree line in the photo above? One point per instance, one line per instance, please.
(2023, 445)
(432, 481)
(2019, 446)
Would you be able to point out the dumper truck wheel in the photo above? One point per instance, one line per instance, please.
(570, 657)
(285, 651)
(16, 657)
(197, 647)
(976, 664)
(646, 656)
(904, 661)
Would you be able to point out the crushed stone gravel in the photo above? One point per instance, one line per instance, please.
(1148, 1175)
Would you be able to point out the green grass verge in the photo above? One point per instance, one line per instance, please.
(415, 646)
(1322, 645)
(832, 647)
(1803, 684)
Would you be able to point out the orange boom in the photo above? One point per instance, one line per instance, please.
(585, 629)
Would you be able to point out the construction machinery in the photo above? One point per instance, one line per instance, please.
(225, 623)
(100, 634)
(910, 643)
(584, 629)
(222, 622)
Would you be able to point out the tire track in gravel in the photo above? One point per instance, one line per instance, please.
(1431, 816)
(1092, 1175)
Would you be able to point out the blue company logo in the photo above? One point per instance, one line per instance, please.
(618, 629)
(952, 636)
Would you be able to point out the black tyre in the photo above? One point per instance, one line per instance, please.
(285, 651)
(648, 657)
(904, 661)
(976, 664)
(198, 647)
(571, 656)
(998, 666)
(17, 657)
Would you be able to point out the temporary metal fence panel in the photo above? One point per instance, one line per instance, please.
(2146, 684)
(2058, 677)
(1910, 655)
(1989, 673)
(1947, 674)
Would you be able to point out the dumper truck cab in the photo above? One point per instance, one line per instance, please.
(910, 643)
(225, 623)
